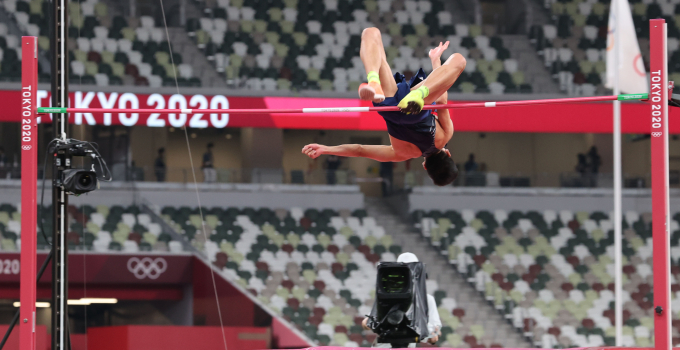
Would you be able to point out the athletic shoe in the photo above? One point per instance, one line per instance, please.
(412, 103)
(371, 92)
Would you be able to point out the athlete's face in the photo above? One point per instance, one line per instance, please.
(443, 149)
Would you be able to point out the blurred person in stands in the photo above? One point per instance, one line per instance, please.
(434, 323)
(387, 175)
(471, 165)
(582, 168)
(594, 163)
(208, 165)
(332, 165)
(414, 132)
(3, 163)
(3, 157)
(159, 165)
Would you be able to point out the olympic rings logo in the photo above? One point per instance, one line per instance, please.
(656, 134)
(26, 147)
(147, 267)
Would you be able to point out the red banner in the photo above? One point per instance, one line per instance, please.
(138, 269)
(555, 118)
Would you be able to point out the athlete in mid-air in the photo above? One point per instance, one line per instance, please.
(414, 132)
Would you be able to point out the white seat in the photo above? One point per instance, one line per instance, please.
(22, 19)
(175, 247)
(11, 7)
(223, 3)
(147, 22)
(83, 44)
(154, 81)
(384, 6)
(101, 33)
(340, 27)
(445, 18)
(462, 30)
(110, 45)
(593, 55)
(142, 34)
(217, 37)
(124, 45)
(247, 13)
(97, 45)
(135, 57)
(405, 51)
(158, 34)
(360, 16)
(314, 27)
(402, 17)
(425, 6)
(240, 48)
(340, 85)
(185, 70)
(290, 14)
(130, 246)
(590, 32)
(303, 62)
(3, 29)
(416, 17)
(233, 13)
(87, 8)
(500, 215)
(33, 30)
(331, 5)
(632, 217)
(566, 216)
(144, 69)
(482, 41)
(585, 8)
(206, 24)
(78, 68)
(525, 225)
(549, 32)
(220, 24)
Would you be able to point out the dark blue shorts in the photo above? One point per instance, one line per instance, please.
(418, 129)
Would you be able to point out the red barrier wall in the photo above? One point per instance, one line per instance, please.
(176, 338)
(42, 340)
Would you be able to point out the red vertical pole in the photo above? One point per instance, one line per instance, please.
(660, 203)
(29, 190)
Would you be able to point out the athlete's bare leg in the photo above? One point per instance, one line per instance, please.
(437, 83)
(442, 78)
(374, 59)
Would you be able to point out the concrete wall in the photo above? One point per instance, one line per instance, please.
(429, 198)
(211, 195)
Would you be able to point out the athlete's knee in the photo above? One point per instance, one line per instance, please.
(370, 33)
(457, 61)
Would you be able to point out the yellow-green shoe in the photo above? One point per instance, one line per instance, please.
(414, 101)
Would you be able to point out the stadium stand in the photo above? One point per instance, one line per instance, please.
(319, 276)
(105, 48)
(574, 45)
(99, 229)
(551, 273)
(291, 44)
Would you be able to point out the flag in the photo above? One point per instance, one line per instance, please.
(632, 74)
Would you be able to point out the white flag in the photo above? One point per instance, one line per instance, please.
(631, 70)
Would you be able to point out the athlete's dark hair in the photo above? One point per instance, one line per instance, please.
(441, 168)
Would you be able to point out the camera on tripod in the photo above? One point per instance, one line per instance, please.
(400, 313)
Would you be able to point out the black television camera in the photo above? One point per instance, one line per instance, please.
(400, 314)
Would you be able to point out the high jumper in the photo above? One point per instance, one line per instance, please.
(414, 132)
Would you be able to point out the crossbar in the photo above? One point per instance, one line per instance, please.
(621, 97)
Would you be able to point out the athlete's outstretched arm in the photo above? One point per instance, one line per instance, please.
(375, 152)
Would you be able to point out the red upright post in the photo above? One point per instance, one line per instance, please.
(660, 203)
(29, 190)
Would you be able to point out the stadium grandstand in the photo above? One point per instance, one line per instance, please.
(203, 225)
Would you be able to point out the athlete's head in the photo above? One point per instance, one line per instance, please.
(441, 168)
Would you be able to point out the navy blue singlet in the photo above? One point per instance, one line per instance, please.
(418, 129)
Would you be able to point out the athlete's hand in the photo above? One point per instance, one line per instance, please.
(313, 150)
(433, 339)
(437, 52)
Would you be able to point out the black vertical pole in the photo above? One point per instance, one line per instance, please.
(59, 55)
